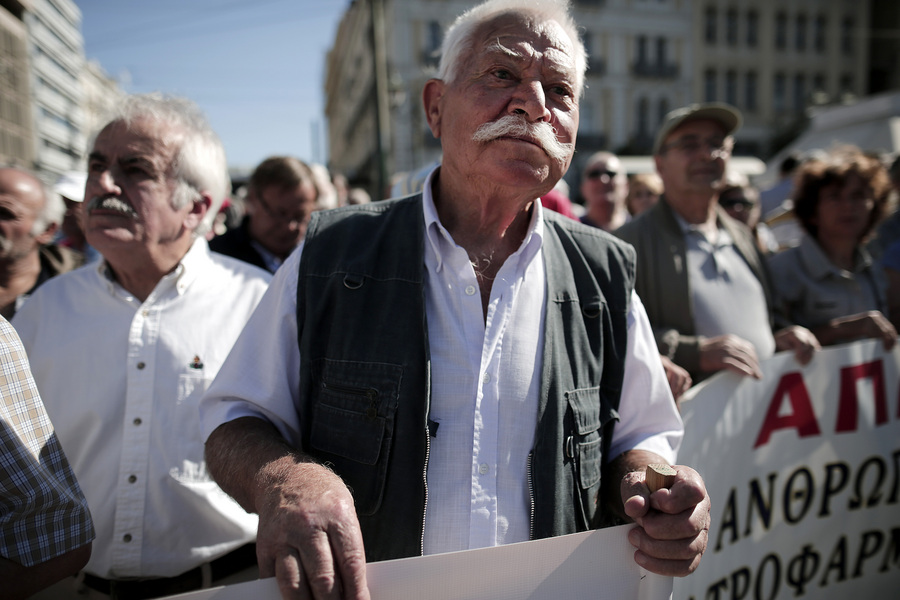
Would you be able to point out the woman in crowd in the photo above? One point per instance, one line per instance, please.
(830, 283)
(644, 190)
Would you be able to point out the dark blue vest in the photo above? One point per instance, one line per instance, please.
(365, 368)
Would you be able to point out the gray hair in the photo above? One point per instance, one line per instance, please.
(458, 40)
(199, 163)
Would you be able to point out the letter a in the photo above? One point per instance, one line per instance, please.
(801, 416)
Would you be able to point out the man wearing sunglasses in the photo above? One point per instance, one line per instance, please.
(604, 187)
(699, 272)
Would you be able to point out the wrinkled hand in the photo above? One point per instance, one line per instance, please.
(729, 352)
(679, 379)
(309, 537)
(871, 324)
(800, 340)
(673, 523)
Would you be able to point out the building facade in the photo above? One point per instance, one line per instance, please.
(772, 59)
(16, 123)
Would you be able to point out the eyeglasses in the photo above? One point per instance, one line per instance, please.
(717, 147)
(604, 175)
(297, 218)
(742, 203)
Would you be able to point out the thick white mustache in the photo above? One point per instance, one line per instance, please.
(511, 125)
(110, 203)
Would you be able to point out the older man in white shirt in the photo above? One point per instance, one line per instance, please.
(122, 350)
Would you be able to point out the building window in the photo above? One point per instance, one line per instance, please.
(846, 84)
(642, 117)
(819, 84)
(750, 91)
(819, 33)
(752, 28)
(731, 27)
(641, 50)
(731, 87)
(435, 36)
(663, 109)
(779, 93)
(710, 28)
(799, 93)
(781, 31)
(709, 85)
(800, 34)
(847, 36)
(661, 52)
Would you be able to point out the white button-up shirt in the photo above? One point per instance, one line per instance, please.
(121, 380)
(485, 385)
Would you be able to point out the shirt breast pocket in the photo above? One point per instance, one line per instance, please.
(353, 415)
(585, 444)
(185, 425)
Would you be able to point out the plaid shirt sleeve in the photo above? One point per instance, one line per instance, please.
(43, 513)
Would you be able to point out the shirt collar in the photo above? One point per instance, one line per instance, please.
(820, 266)
(438, 238)
(188, 269)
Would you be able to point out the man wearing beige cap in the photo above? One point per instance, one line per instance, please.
(699, 273)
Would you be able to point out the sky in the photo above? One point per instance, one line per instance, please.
(255, 67)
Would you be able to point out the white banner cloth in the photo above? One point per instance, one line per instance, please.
(597, 564)
(802, 469)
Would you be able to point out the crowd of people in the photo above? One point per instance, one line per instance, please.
(296, 381)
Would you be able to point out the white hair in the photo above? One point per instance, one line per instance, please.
(199, 164)
(52, 213)
(458, 40)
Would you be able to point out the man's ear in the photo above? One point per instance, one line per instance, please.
(431, 99)
(199, 208)
(48, 235)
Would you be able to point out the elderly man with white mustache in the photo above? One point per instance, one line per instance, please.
(459, 368)
(123, 349)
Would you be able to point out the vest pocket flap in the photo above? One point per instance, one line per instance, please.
(347, 433)
(587, 409)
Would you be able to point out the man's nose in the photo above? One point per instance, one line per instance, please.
(106, 181)
(530, 100)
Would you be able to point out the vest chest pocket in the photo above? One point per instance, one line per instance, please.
(585, 444)
(353, 410)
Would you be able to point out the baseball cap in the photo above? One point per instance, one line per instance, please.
(728, 116)
(71, 185)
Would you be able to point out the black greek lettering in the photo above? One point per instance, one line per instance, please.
(836, 476)
(740, 583)
(802, 569)
(761, 579)
(729, 520)
(892, 555)
(836, 562)
(762, 505)
(895, 487)
(870, 545)
(859, 485)
(803, 494)
(713, 591)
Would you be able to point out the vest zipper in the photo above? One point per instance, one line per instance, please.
(425, 482)
(530, 495)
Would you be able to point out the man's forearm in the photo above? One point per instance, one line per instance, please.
(245, 456)
(23, 582)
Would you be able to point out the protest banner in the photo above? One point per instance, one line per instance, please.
(594, 564)
(802, 469)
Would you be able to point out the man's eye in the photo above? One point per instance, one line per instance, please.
(6, 215)
(561, 90)
(502, 74)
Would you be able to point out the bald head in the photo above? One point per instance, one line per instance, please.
(23, 223)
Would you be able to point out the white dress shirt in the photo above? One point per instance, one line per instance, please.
(485, 385)
(121, 380)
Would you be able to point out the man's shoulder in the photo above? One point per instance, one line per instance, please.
(648, 224)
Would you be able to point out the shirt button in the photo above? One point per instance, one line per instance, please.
(141, 365)
(137, 421)
(145, 313)
(132, 478)
(126, 538)
(486, 378)
(470, 290)
(483, 468)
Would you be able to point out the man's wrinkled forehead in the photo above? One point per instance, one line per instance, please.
(518, 36)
